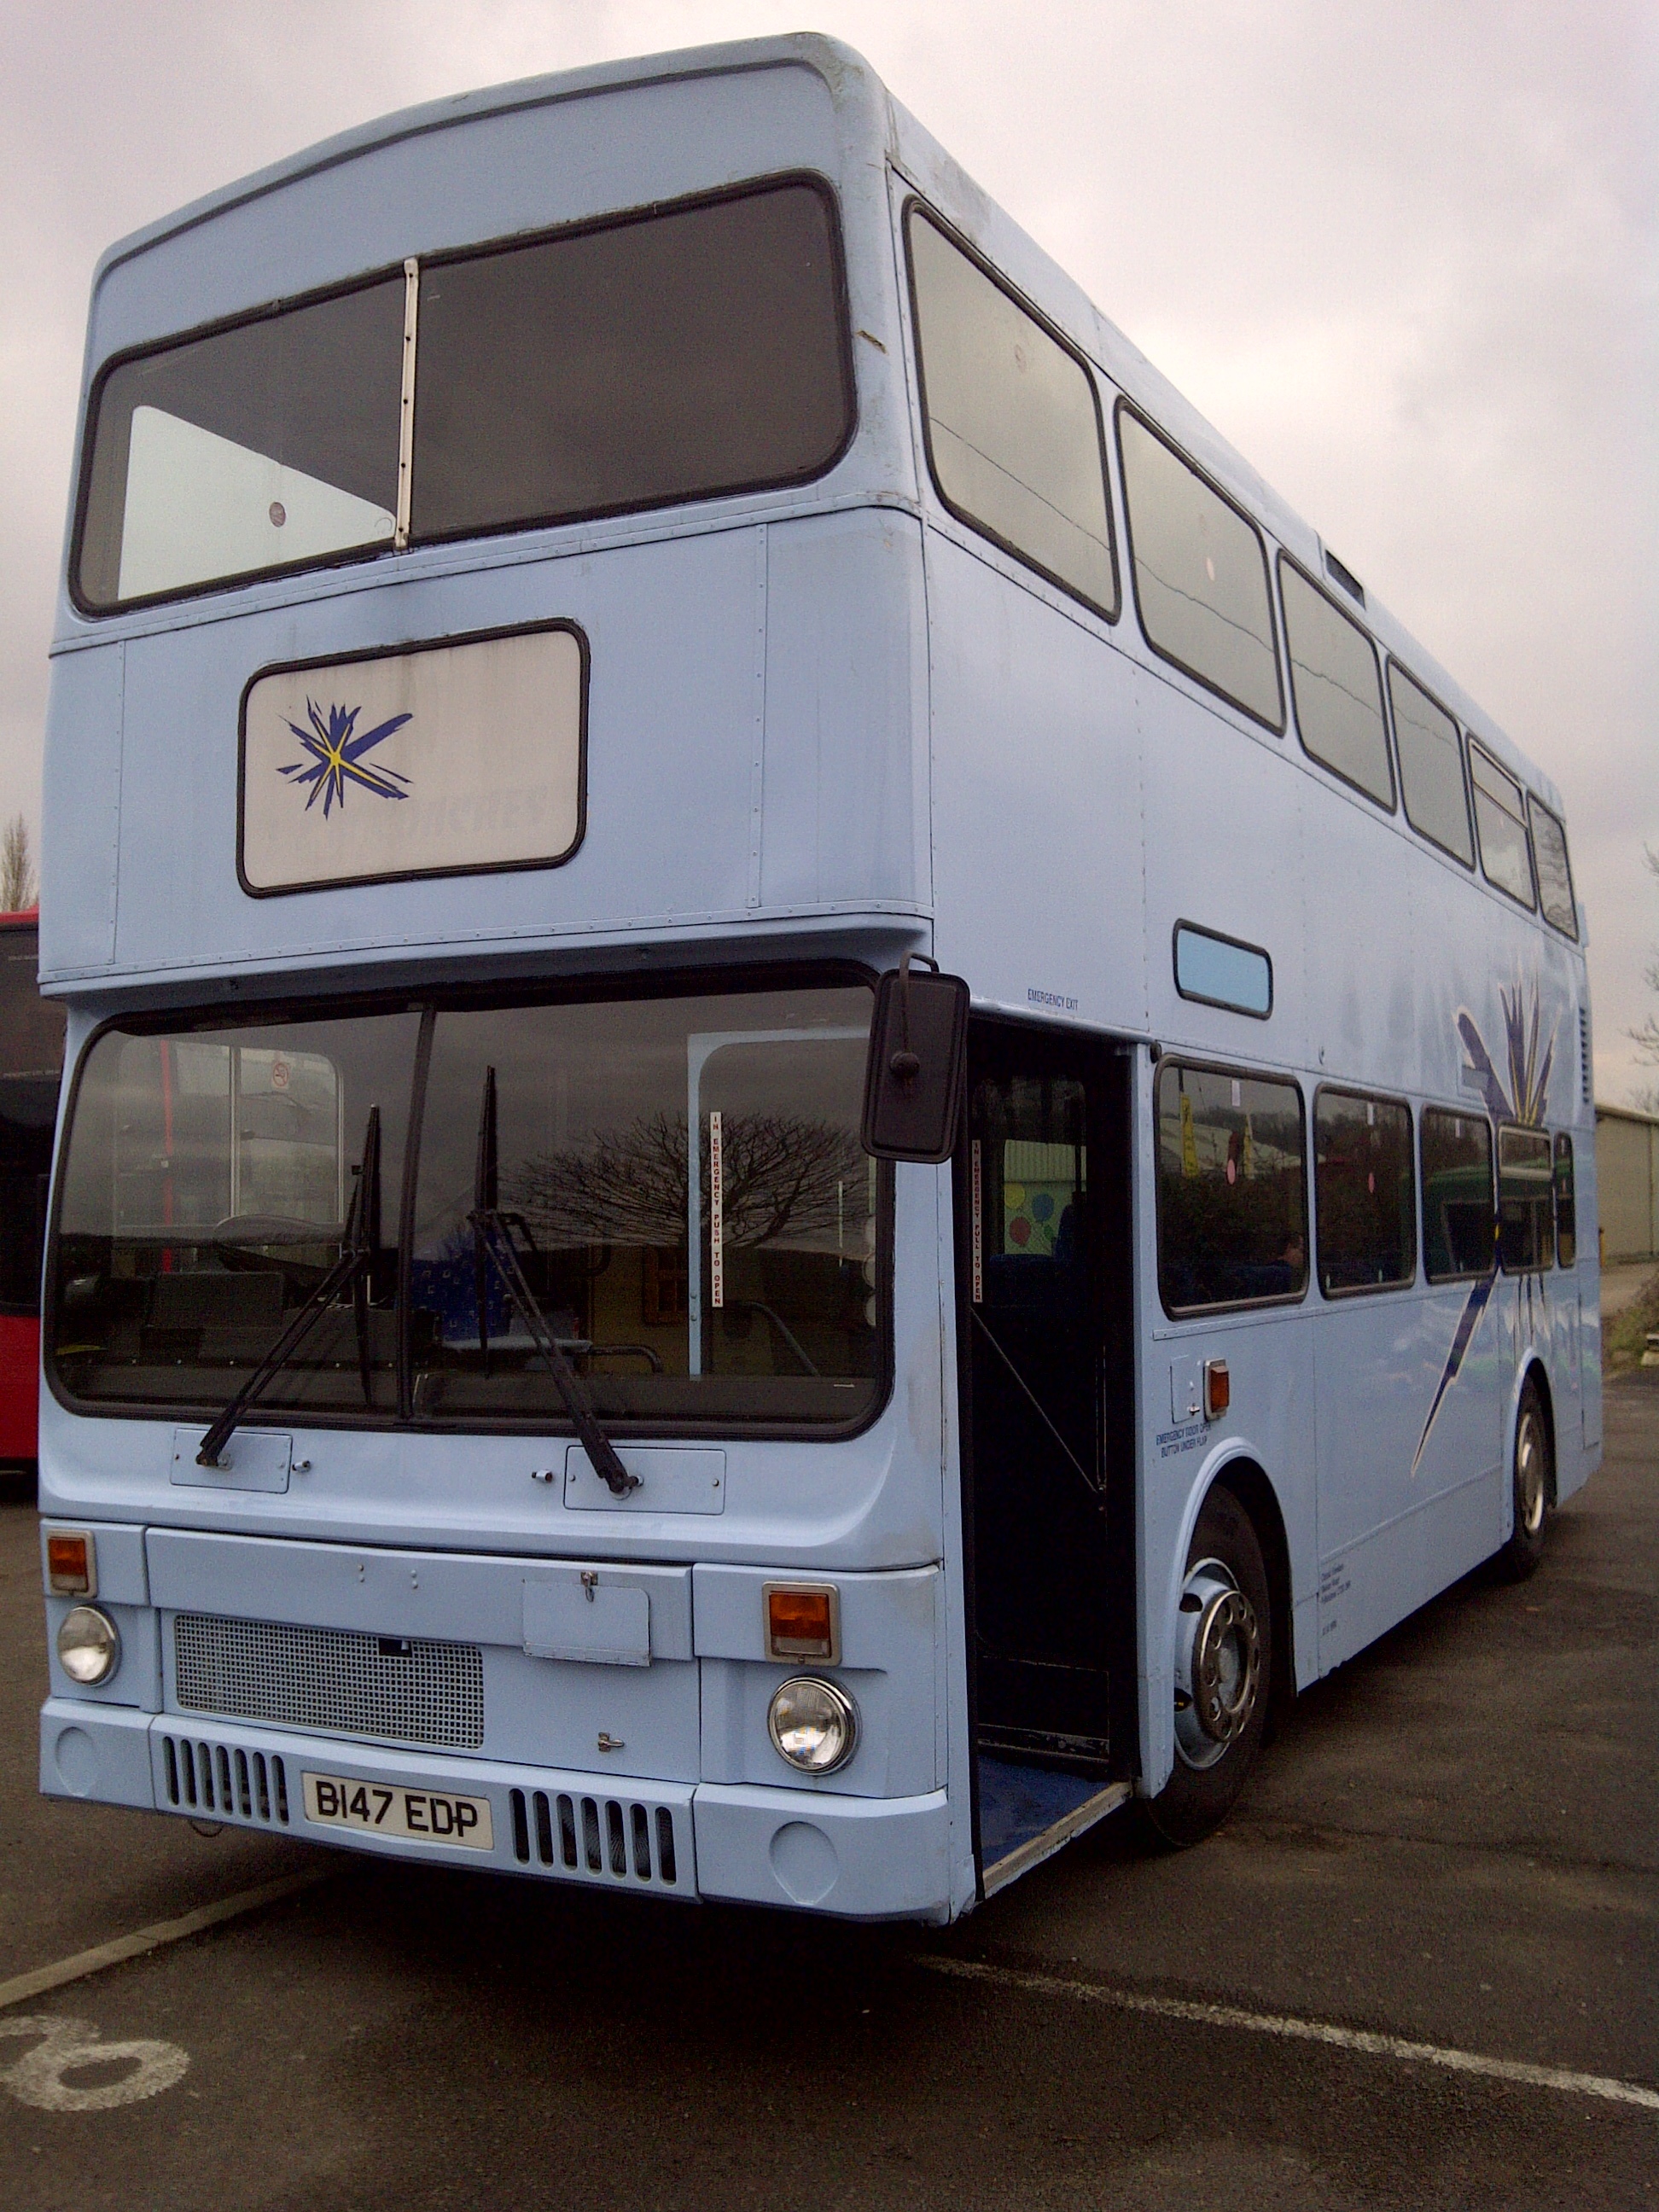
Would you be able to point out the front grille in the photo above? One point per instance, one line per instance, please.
(223, 1780)
(401, 1689)
(597, 1837)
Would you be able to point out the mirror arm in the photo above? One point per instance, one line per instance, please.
(904, 1064)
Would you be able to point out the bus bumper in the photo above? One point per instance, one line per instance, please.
(878, 1859)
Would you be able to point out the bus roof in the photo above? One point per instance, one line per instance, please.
(874, 125)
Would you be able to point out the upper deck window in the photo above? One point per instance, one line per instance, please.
(264, 446)
(1430, 767)
(1549, 852)
(1337, 688)
(698, 349)
(668, 357)
(1500, 819)
(1012, 421)
(1200, 575)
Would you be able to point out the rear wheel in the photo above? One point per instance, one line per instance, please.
(1223, 1665)
(1532, 1480)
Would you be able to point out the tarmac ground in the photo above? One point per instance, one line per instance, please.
(1451, 1842)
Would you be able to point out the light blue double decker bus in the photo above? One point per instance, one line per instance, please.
(546, 1366)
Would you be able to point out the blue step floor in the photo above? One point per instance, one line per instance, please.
(1018, 1803)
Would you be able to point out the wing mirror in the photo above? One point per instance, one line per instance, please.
(913, 1081)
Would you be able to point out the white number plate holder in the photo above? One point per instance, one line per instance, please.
(414, 1816)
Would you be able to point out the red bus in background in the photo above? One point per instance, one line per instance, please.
(31, 1066)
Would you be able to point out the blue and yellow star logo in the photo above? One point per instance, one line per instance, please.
(336, 757)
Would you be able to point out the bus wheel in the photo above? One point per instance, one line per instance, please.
(1222, 1665)
(1530, 1486)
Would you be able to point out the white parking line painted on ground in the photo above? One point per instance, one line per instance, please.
(1301, 2031)
(152, 1938)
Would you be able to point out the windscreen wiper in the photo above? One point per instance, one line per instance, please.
(358, 1248)
(493, 1247)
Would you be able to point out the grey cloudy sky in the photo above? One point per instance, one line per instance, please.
(1405, 257)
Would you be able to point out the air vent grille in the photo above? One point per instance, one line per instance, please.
(598, 1837)
(1586, 1067)
(395, 1689)
(225, 1781)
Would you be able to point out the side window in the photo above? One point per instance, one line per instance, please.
(1232, 1219)
(1500, 817)
(1014, 425)
(1200, 575)
(1223, 971)
(1457, 1216)
(1337, 688)
(1431, 770)
(1364, 1201)
(1549, 851)
(1526, 1234)
(1566, 1207)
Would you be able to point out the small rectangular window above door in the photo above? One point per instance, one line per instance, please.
(1223, 971)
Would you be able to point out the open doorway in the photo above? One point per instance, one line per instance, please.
(1045, 1315)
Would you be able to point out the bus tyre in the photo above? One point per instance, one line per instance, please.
(1531, 1482)
(1223, 1666)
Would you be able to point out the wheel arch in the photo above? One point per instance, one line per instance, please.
(1533, 1371)
(1250, 1485)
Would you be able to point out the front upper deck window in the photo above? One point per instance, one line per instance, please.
(672, 357)
(697, 350)
(269, 444)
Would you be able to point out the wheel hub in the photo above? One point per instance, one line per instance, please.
(1217, 1663)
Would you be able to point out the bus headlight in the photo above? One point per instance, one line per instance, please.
(88, 1646)
(814, 1725)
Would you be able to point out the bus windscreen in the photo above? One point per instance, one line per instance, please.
(680, 1178)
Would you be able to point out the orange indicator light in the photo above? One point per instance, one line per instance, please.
(800, 1621)
(69, 1565)
(1218, 1390)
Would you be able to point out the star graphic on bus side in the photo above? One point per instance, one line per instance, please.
(336, 756)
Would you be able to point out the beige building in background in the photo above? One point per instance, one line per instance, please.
(1627, 1182)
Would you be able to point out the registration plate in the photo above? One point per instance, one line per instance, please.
(418, 1816)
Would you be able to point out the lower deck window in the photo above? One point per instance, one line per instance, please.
(1363, 1186)
(1526, 1222)
(1566, 1208)
(1231, 1197)
(1458, 1210)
